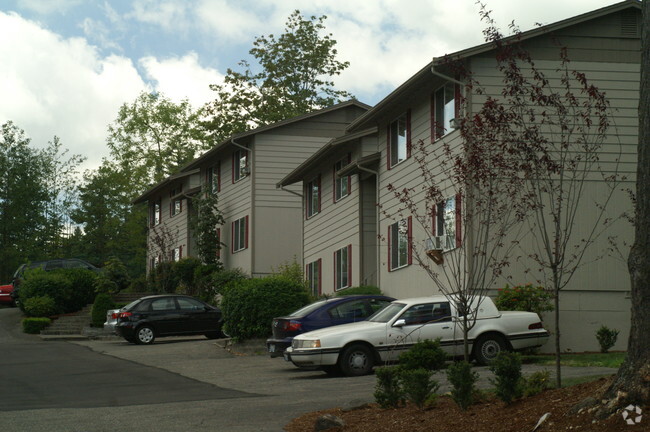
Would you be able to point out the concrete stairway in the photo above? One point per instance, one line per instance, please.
(71, 324)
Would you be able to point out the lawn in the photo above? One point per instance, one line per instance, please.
(611, 359)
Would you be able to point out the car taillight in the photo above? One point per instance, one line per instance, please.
(115, 315)
(537, 325)
(292, 325)
(125, 314)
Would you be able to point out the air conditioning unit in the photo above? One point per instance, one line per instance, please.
(454, 123)
(434, 243)
(245, 171)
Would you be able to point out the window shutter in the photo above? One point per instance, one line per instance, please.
(181, 206)
(459, 223)
(349, 265)
(408, 133)
(433, 117)
(320, 190)
(410, 239)
(388, 146)
(390, 250)
(434, 220)
(180, 251)
(232, 237)
(320, 275)
(246, 234)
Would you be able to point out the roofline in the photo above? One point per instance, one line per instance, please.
(224, 143)
(485, 47)
(144, 196)
(298, 173)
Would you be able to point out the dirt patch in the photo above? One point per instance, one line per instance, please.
(490, 415)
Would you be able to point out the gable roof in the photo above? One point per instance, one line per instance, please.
(162, 184)
(411, 85)
(220, 146)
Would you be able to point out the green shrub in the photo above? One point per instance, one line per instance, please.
(249, 305)
(426, 354)
(463, 382)
(508, 379)
(218, 282)
(35, 325)
(138, 285)
(418, 386)
(537, 383)
(388, 390)
(162, 278)
(39, 306)
(606, 338)
(292, 271)
(82, 291)
(527, 298)
(363, 289)
(113, 278)
(103, 302)
(51, 284)
(184, 271)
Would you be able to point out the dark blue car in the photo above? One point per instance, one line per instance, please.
(323, 313)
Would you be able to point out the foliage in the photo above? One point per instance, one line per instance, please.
(291, 78)
(612, 359)
(536, 383)
(418, 386)
(363, 289)
(205, 223)
(527, 297)
(463, 382)
(508, 379)
(138, 284)
(35, 325)
(606, 338)
(249, 305)
(185, 271)
(425, 354)
(103, 303)
(51, 284)
(162, 278)
(220, 281)
(115, 271)
(388, 390)
(291, 271)
(39, 306)
(82, 288)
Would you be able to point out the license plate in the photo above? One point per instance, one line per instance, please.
(271, 348)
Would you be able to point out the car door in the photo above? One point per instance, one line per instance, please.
(165, 316)
(196, 318)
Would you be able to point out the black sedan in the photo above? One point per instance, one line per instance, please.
(167, 315)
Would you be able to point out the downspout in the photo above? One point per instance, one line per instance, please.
(378, 257)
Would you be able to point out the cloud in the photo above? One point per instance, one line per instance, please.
(63, 87)
(49, 6)
(170, 15)
(182, 78)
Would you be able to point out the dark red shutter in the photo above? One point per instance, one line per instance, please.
(409, 234)
(246, 234)
(390, 240)
(408, 133)
(388, 146)
(320, 275)
(349, 265)
(180, 251)
(459, 224)
(319, 193)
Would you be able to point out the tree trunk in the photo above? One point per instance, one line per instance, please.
(632, 383)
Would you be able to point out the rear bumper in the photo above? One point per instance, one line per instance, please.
(276, 347)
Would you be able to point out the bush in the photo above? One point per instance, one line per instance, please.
(82, 288)
(536, 383)
(507, 370)
(39, 306)
(249, 305)
(363, 289)
(527, 298)
(138, 285)
(463, 381)
(426, 355)
(418, 386)
(292, 271)
(606, 338)
(35, 325)
(113, 278)
(184, 271)
(103, 302)
(162, 278)
(388, 390)
(51, 284)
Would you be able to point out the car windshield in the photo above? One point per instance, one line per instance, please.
(307, 309)
(387, 313)
(131, 305)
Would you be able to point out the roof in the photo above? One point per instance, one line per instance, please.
(196, 162)
(166, 182)
(304, 168)
(368, 119)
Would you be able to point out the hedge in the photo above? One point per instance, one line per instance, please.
(35, 325)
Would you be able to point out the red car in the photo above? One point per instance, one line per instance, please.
(5, 295)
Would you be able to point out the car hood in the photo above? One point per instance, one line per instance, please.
(343, 329)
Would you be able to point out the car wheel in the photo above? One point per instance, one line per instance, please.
(356, 360)
(144, 335)
(488, 347)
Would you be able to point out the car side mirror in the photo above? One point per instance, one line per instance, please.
(400, 323)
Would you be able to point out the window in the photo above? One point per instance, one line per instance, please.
(399, 139)
(444, 109)
(313, 197)
(427, 313)
(399, 244)
(177, 254)
(163, 304)
(176, 206)
(352, 311)
(186, 304)
(342, 184)
(213, 178)
(240, 234)
(447, 223)
(239, 165)
(343, 267)
(314, 278)
(155, 213)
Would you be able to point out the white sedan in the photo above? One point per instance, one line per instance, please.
(354, 349)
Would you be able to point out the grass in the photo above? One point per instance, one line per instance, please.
(612, 359)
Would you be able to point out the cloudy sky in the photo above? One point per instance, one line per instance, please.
(67, 65)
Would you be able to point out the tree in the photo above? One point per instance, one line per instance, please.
(632, 382)
(205, 223)
(293, 77)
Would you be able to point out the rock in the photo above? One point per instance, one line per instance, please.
(541, 421)
(585, 403)
(328, 421)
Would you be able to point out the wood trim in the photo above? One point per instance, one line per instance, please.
(390, 249)
(459, 222)
(408, 133)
